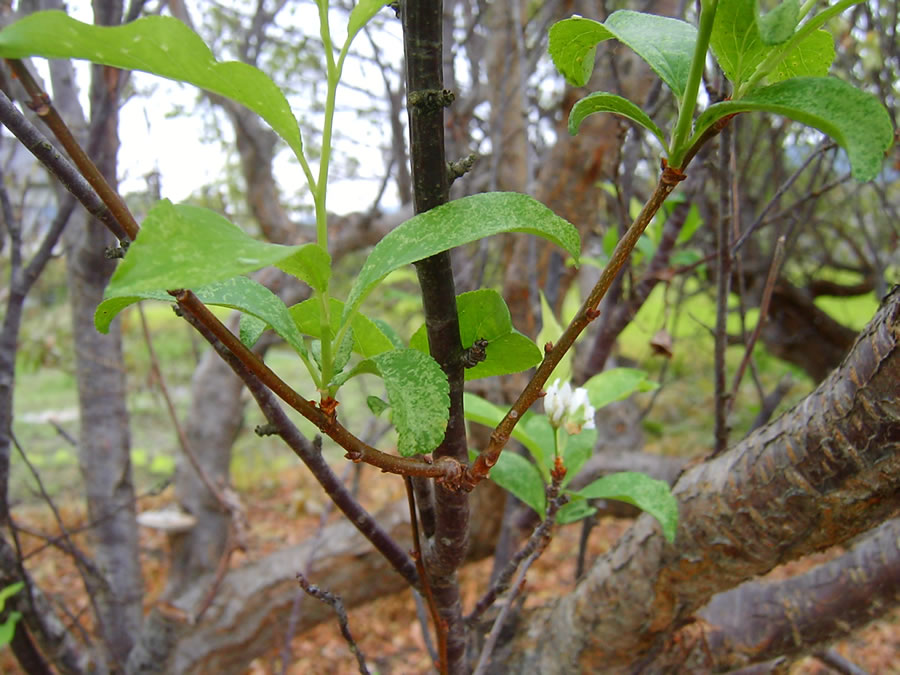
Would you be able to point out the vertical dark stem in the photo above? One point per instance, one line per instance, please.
(422, 24)
(723, 289)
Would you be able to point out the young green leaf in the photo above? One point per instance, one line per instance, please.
(361, 15)
(856, 120)
(667, 45)
(161, 45)
(9, 591)
(637, 489)
(368, 338)
(577, 509)
(238, 293)
(419, 396)
(578, 450)
(483, 314)
(777, 26)
(735, 40)
(484, 412)
(602, 102)
(456, 223)
(811, 57)
(616, 384)
(182, 246)
(250, 329)
(311, 264)
(517, 475)
(376, 405)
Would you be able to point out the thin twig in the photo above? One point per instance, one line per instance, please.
(723, 291)
(40, 103)
(306, 451)
(539, 538)
(357, 451)
(63, 170)
(480, 468)
(173, 415)
(554, 502)
(295, 615)
(338, 606)
(774, 269)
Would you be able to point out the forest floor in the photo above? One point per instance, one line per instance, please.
(282, 511)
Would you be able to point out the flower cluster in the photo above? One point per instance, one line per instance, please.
(565, 406)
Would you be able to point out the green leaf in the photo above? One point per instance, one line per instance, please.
(812, 57)
(361, 15)
(667, 45)
(551, 330)
(616, 384)
(376, 405)
(160, 45)
(691, 223)
(456, 223)
(250, 330)
(603, 102)
(344, 351)
(517, 475)
(389, 332)
(311, 264)
(182, 246)
(8, 591)
(238, 293)
(648, 494)
(575, 510)
(735, 40)
(856, 120)
(483, 314)
(419, 396)
(8, 628)
(368, 338)
(577, 451)
(777, 26)
(484, 412)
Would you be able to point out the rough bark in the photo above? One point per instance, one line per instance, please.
(759, 621)
(822, 473)
(794, 323)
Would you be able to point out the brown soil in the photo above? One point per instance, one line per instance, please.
(387, 631)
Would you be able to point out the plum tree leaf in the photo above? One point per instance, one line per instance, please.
(667, 45)
(361, 15)
(368, 338)
(182, 246)
(459, 222)
(311, 264)
(642, 491)
(238, 293)
(161, 45)
(777, 25)
(616, 384)
(855, 119)
(419, 396)
(811, 57)
(483, 314)
(603, 102)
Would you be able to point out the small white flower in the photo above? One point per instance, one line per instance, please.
(564, 405)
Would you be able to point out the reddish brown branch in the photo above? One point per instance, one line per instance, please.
(479, 469)
(357, 450)
(40, 103)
